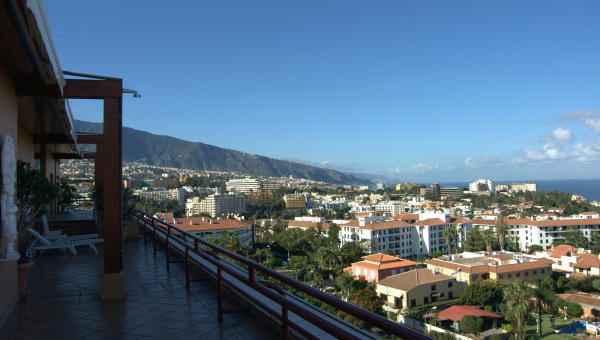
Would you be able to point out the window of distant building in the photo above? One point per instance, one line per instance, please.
(413, 302)
(432, 287)
(449, 284)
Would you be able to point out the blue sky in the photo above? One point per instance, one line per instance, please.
(415, 90)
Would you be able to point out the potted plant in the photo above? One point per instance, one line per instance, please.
(34, 194)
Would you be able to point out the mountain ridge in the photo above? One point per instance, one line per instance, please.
(168, 151)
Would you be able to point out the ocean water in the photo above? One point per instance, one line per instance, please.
(588, 188)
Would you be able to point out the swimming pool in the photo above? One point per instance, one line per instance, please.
(573, 327)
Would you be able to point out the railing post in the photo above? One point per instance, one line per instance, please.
(154, 236)
(219, 294)
(196, 248)
(251, 274)
(143, 218)
(187, 268)
(167, 246)
(284, 322)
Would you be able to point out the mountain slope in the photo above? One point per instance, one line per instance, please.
(172, 152)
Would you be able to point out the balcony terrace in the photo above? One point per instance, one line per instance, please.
(64, 303)
(179, 286)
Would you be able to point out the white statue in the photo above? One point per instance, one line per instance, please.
(8, 207)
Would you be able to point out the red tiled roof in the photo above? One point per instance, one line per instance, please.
(196, 224)
(506, 268)
(406, 217)
(587, 261)
(545, 223)
(353, 223)
(585, 299)
(562, 250)
(384, 262)
(385, 225)
(458, 312)
(431, 221)
(380, 257)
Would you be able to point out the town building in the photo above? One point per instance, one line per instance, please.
(453, 315)
(390, 208)
(310, 225)
(452, 192)
(376, 267)
(572, 261)
(216, 205)
(208, 228)
(294, 201)
(588, 303)
(417, 287)
(482, 186)
(503, 267)
(243, 185)
(527, 232)
(158, 194)
(407, 240)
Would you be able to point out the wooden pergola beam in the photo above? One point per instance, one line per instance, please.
(65, 155)
(90, 139)
(52, 139)
(92, 89)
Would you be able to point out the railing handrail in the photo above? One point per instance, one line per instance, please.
(369, 317)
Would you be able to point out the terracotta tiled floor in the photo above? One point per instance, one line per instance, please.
(64, 303)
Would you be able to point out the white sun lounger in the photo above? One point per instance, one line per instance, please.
(42, 243)
(59, 234)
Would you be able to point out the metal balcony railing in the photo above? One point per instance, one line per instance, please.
(291, 312)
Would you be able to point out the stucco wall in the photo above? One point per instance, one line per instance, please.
(25, 147)
(8, 125)
(422, 291)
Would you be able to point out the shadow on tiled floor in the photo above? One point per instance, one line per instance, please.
(64, 303)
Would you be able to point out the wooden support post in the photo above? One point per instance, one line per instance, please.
(99, 187)
(113, 280)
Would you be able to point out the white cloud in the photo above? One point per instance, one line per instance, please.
(562, 134)
(416, 168)
(590, 118)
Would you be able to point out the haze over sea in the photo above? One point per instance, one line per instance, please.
(588, 188)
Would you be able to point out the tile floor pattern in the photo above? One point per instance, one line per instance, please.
(64, 303)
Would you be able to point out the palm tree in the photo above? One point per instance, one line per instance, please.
(543, 298)
(344, 282)
(501, 231)
(449, 234)
(517, 297)
(231, 241)
(488, 238)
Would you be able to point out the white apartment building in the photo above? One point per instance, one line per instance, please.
(482, 186)
(407, 240)
(522, 187)
(243, 185)
(391, 208)
(528, 232)
(216, 205)
(162, 194)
